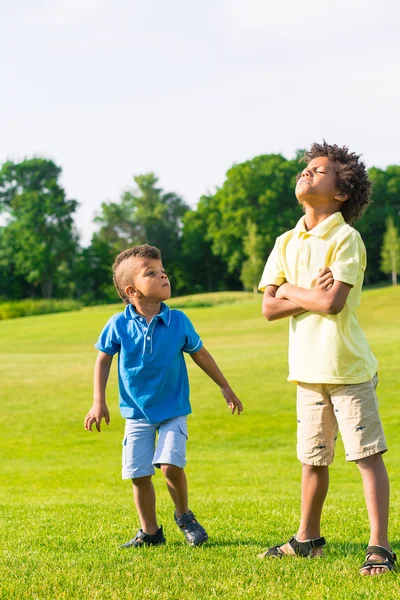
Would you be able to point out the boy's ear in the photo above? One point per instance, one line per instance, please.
(341, 196)
(130, 291)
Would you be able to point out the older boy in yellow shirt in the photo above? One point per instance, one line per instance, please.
(314, 276)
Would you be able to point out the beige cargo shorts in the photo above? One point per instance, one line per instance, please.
(325, 409)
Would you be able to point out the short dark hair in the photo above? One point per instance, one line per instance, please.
(351, 177)
(121, 276)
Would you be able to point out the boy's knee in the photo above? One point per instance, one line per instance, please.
(307, 467)
(369, 461)
(171, 471)
(141, 481)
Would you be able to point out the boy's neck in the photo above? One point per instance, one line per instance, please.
(148, 310)
(316, 214)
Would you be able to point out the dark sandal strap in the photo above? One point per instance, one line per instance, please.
(185, 519)
(141, 535)
(382, 552)
(300, 548)
(388, 557)
(274, 551)
(304, 548)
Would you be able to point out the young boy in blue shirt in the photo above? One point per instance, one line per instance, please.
(150, 339)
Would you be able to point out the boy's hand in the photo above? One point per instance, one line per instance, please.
(95, 415)
(232, 400)
(324, 279)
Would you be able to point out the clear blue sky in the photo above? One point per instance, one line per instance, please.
(109, 89)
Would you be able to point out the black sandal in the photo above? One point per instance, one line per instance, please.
(304, 548)
(389, 558)
(145, 539)
(194, 533)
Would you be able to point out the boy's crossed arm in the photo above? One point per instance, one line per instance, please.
(274, 308)
(328, 297)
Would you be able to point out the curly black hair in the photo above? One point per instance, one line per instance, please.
(123, 276)
(351, 177)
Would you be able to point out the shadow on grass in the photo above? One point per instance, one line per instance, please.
(346, 548)
(214, 543)
(335, 548)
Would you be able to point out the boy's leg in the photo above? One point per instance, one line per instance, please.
(170, 456)
(137, 455)
(314, 488)
(316, 436)
(376, 491)
(360, 425)
(145, 501)
(175, 478)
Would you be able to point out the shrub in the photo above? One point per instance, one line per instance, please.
(27, 308)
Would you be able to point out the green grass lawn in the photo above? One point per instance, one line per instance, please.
(65, 510)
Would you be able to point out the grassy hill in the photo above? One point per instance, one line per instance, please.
(65, 509)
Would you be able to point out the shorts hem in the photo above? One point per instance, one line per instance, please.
(370, 452)
(170, 460)
(137, 474)
(315, 463)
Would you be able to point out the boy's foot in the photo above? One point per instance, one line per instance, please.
(378, 561)
(295, 547)
(145, 539)
(194, 533)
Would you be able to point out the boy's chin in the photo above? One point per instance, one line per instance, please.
(300, 197)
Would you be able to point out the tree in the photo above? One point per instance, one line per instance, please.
(148, 215)
(203, 271)
(12, 286)
(40, 233)
(385, 203)
(253, 266)
(390, 254)
(260, 190)
(93, 273)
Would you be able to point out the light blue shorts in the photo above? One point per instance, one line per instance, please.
(141, 453)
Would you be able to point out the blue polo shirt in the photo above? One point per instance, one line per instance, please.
(152, 376)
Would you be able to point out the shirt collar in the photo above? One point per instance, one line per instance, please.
(164, 314)
(322, 228)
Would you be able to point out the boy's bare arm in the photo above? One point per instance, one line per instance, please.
(99, 409)
(274, 308)
(329, 301)
(205, 361)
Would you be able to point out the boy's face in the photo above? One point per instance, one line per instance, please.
(149, 281)
(317, 183)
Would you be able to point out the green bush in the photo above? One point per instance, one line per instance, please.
(27, 308)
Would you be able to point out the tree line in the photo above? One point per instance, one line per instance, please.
(222, 244)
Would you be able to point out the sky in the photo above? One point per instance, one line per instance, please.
(113, 89)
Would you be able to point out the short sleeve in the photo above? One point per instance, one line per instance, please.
(109, 341)
(350, 260)
(273, 273)
(193, 342)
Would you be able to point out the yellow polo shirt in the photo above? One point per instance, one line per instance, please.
(323, 348)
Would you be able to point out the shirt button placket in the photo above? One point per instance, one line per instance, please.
(148, 337)
(301, 252)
